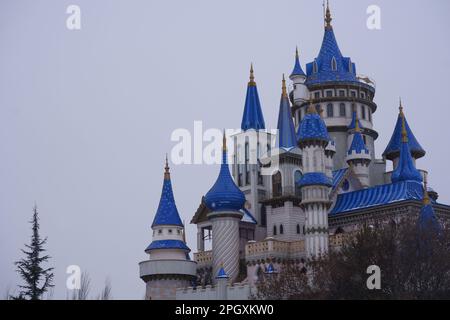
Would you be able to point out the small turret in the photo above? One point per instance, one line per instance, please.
(253, 117)
(427, 218)
(298, 77)
(358, 156)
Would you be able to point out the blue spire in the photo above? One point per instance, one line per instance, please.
(352, 124)
(312, 126)
(222, 274)
(358, 145)
(167, 213)
(297, 71)
(393, 148)
(224, 194)
(330, 65)
(406, 169)
(427, 217)
(253, 116)
(286, 131)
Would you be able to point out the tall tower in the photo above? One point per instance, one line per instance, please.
(332, 80)
(285, 220)
(358, 156)
(169, 266)
(249, 145)
(225, 201)
(315, 185)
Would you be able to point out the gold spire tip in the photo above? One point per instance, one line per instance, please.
(328, 17)
(283, 87)
(311, 108)
(224, 141)
(166, 169)
(252, 76)
(404, 133)
(357, 128)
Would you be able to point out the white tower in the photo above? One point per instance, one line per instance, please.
(315, 185)
(169, 266)
(358, 157)
(298, 77)
(225, 201)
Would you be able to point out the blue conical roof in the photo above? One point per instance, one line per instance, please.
(286, 130)
(358, 145)
(297, 71)
(427, 217)
(393, 148)
(253, 116)
(312, 127)
(222, 274)
(406, 170)
(224, 194)
(330, 65)
(167, 213)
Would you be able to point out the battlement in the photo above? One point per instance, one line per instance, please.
(203, 258)
(236, 291)
(270, 249)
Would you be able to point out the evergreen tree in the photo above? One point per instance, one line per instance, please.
(37, 279)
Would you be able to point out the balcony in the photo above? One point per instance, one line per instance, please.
(203, 258)
(274, 249)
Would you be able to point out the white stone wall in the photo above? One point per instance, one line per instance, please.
(288, 216)
(234, 292)
(164, 289)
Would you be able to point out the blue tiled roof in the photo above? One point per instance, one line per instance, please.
(358, 144)
(406, 170)
(222, 274)
(312, 127)
(167, 244)
(376, 196)
(286, 131)
(253, 116)
(248, 217)
(297, 71)
(314, 178)
(393, 148)
(224, 194)
(337, 176)
(167, 213)
(345, 69)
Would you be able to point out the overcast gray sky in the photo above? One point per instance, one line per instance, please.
(86, 116)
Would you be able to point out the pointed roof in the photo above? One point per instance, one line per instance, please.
(224, 194)
(406, 170)
(297, 71)
(167, 213)
(286, 130)
(427, 217)
(358, 145)
(253, 116)
(393, 148)
(330, 64)
(222, 274)
(312, 126)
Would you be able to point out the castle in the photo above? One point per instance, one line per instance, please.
(325, 184)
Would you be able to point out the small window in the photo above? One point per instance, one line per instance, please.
(281, 229)
(263, 216)
(363, 111)
(317, 95)
(330, 112)
(342, 112)
(365, 140)
(274, 230)
(298, 229)
(170, 231)
(304, 229)
(295, 86)
(370, 115)
(329, 93)
(178, 231)
(362, 95)
(159, 231)
(315, 67)
(353, 94)
(333, 64)
(341, 93)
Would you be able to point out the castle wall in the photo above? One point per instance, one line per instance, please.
(234, 292)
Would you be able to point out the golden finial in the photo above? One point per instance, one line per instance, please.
(252, 76)
(426, 197)
(400, 108)
(311, 108)
(404, 132)
(166, 170)
(224, 141)
(357, 128)
(328, 17)
(283, 87)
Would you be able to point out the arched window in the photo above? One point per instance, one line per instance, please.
(298, 229)
(247, 166)
(363, 111)
(297, 177)
(330, 112)
(277, 189)
(318, 108)
(281, 229)
(274, 230)
(333, 64)
(342, 111)
(263, 216)
(304, 229)
(315, 67)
